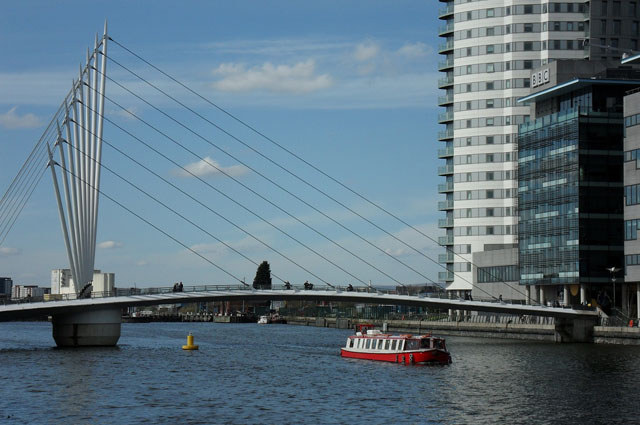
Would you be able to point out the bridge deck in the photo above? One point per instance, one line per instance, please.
(35, 309)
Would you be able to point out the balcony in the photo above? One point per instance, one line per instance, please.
(445, 169)
(445, 29)
(445, 116)
(445, 222)
(445, 240)
(443, 12)
(445, 276)
(445, 152)
(445, 134)
(445, 47)
(445, 258)
(445, 205)
(444, 100)
(445, 82)
(446, 64)
(445, 187)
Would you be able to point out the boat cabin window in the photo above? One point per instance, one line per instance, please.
(412, 344)
(386, 344)
(438, 343)
(394, 344)
(425, 343)
(368, 344)
(351, 342)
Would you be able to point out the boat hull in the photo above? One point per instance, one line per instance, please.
(422, 356)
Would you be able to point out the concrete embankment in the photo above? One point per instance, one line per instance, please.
(502, 327)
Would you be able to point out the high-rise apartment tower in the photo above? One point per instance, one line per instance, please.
(489, 49)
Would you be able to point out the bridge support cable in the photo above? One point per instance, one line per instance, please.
(238, 203)
(149, 223)
(255, 192)
(183, 217)
(24, 184)
(229, 198)
(262, 135)
(277, 185)
(298, 198)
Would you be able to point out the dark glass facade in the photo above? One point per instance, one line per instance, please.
(6, 284)
(570, 189)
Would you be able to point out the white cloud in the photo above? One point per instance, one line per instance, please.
(415, 50)
(209, 167)
(298, 78)
(127, 113)
(141, 263)
(366, 51)
(109, 244)
(12, 120)
(6, 251)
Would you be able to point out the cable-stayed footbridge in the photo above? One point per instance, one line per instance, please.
(72, 149)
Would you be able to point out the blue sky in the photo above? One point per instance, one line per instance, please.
(348, 85)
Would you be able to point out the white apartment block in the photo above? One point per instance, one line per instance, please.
(489, 49)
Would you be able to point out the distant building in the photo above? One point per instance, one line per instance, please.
(5, 287)
(61, 282)
(29, 291)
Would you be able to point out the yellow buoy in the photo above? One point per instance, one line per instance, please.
(189, 345)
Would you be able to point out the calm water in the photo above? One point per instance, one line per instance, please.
(278, 374)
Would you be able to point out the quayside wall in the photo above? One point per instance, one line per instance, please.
(502, 327)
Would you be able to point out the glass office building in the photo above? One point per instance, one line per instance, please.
(570, 185)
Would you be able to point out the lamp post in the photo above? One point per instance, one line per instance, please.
(613, 271)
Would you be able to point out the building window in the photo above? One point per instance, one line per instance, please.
(489, 194)
(469, 16)
(490, 32)
(468, 69)
(616, 27)
(528, 27)
(634, 28)
(468, 141)
(491, 13)
(507, 29)
(489, 140)
(603, 27)
(468, 105)
(468, 88)
(468, 123)
(603, 10)
(468, 51)
(490, 124)
(527, 46)
(489, 157)
(490, 67)
(489, 103)
(616, 8)
(528, 9)
(489, 230)
(490, 175)
(528, 64)
(468, 33)
(490, 85)
(490, 49)
(632, 8)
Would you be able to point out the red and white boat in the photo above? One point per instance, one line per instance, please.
(372, 344)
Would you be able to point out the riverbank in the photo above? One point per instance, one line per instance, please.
(494, 327)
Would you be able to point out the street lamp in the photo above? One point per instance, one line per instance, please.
(613, 271)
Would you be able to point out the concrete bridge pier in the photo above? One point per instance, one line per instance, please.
(87, 328)
(574, 330)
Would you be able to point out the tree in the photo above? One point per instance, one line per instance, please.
(263, 276)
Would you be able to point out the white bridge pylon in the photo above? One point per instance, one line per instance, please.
(79, 150)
